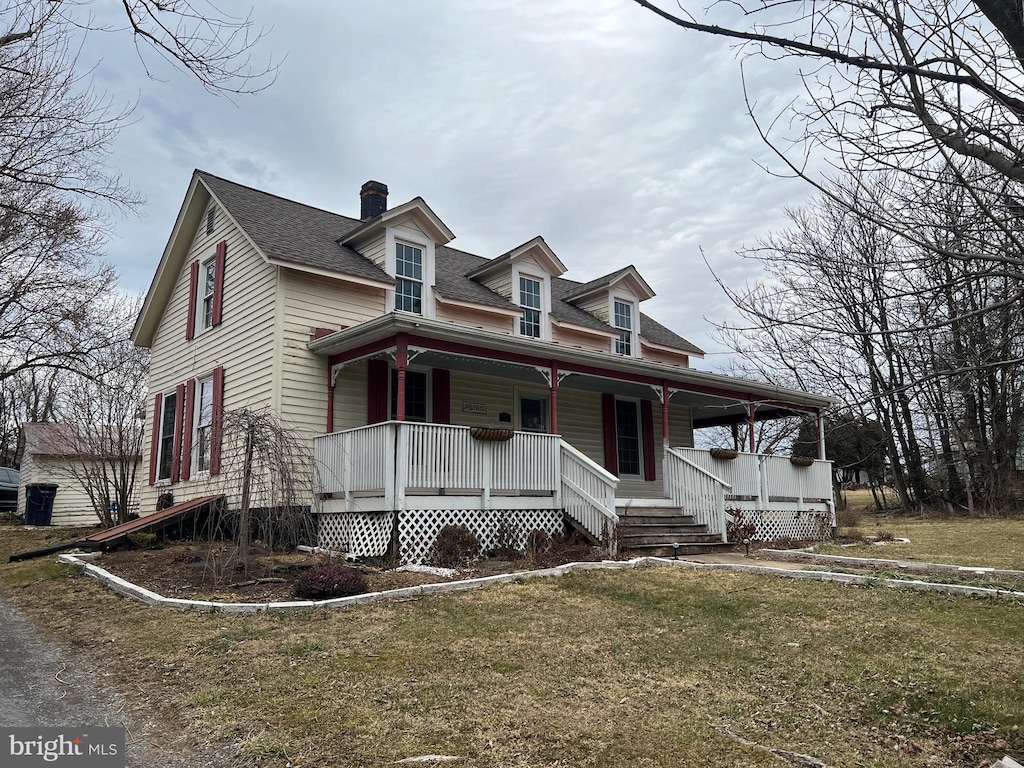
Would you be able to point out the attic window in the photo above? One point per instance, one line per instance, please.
(409, 278)
(529, 299)
(624, 324)
(211, 219)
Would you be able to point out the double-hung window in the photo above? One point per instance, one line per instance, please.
(415, 395)
(529, 299)
(408, 278)
(204, 424)
(624, 325)
(167, 429)
(209, 278)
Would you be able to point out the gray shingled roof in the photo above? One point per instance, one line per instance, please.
(582, 289)
(450, 269)
(300, 234)
(288, 231)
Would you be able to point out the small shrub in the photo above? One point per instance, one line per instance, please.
(506, 540)
(848, 518)
(329, 581)
(142, 540)
(884, 536)
(455, 545)
(737, 527)
(538, 542)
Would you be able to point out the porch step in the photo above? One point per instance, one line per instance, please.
(630, 540)
(659, 528)
(663, 550)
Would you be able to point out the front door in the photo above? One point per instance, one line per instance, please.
(627, 434)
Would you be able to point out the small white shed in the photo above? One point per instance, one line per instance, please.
(46, 460)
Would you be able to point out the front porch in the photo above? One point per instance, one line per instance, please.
(393, 485)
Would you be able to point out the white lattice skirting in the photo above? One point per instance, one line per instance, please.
(779, 524)
(360, 534)
(367, 534)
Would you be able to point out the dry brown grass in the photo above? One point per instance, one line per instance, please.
(978, 542)
(600, 669)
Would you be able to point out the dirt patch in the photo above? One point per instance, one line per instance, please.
(202, 572)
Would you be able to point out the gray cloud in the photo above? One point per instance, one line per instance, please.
(614, 135)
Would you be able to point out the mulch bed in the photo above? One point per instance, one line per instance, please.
(203, 572)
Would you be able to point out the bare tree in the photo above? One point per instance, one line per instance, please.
(928, 348)
(266, 471)
(56, 190)
(926, 91)
(102, 416)
(30, 395)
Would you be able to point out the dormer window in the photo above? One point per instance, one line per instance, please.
(530, 300)
(408, 278)
(623, 321)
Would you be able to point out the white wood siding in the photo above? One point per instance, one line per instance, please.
(670, 358)
(582, 340)
(350, 401)
(71, 505)
(244, 343)
(501, 283)
(310, 303)
(596, 305)
(487, 321)
(411, 229)
(375, 251)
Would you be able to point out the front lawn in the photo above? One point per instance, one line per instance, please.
(980, 542)
(643, 668)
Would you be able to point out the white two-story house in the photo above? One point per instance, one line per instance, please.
(438, 386)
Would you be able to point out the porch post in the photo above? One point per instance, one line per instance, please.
(821, 435)
(401, 363)
(750, 427)
(554, 398)
(330, 399)
(664, 414)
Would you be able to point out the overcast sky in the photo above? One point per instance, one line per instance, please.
(618, 137)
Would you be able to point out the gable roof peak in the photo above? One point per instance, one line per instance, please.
(536, 246)
(627, 274)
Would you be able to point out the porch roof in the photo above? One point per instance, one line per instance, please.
(704, 388)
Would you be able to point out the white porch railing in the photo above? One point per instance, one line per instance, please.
(588, 495)
(766, 482)
(393, 458)
(699, 492)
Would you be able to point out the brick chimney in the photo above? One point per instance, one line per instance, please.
(373, 198)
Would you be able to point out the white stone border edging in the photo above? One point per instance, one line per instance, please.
(896, 565)
(135, 592)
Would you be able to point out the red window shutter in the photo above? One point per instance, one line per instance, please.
(218, 282)
(611, 442)
(647, 429)
(377, 391)
(442, 396)
(193, 293)
(179, 411)
(217, 422)
(154, 445)
(186, 442)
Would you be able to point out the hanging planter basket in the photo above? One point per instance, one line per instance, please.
(724, 454)
(491, 434)
(801, 461)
